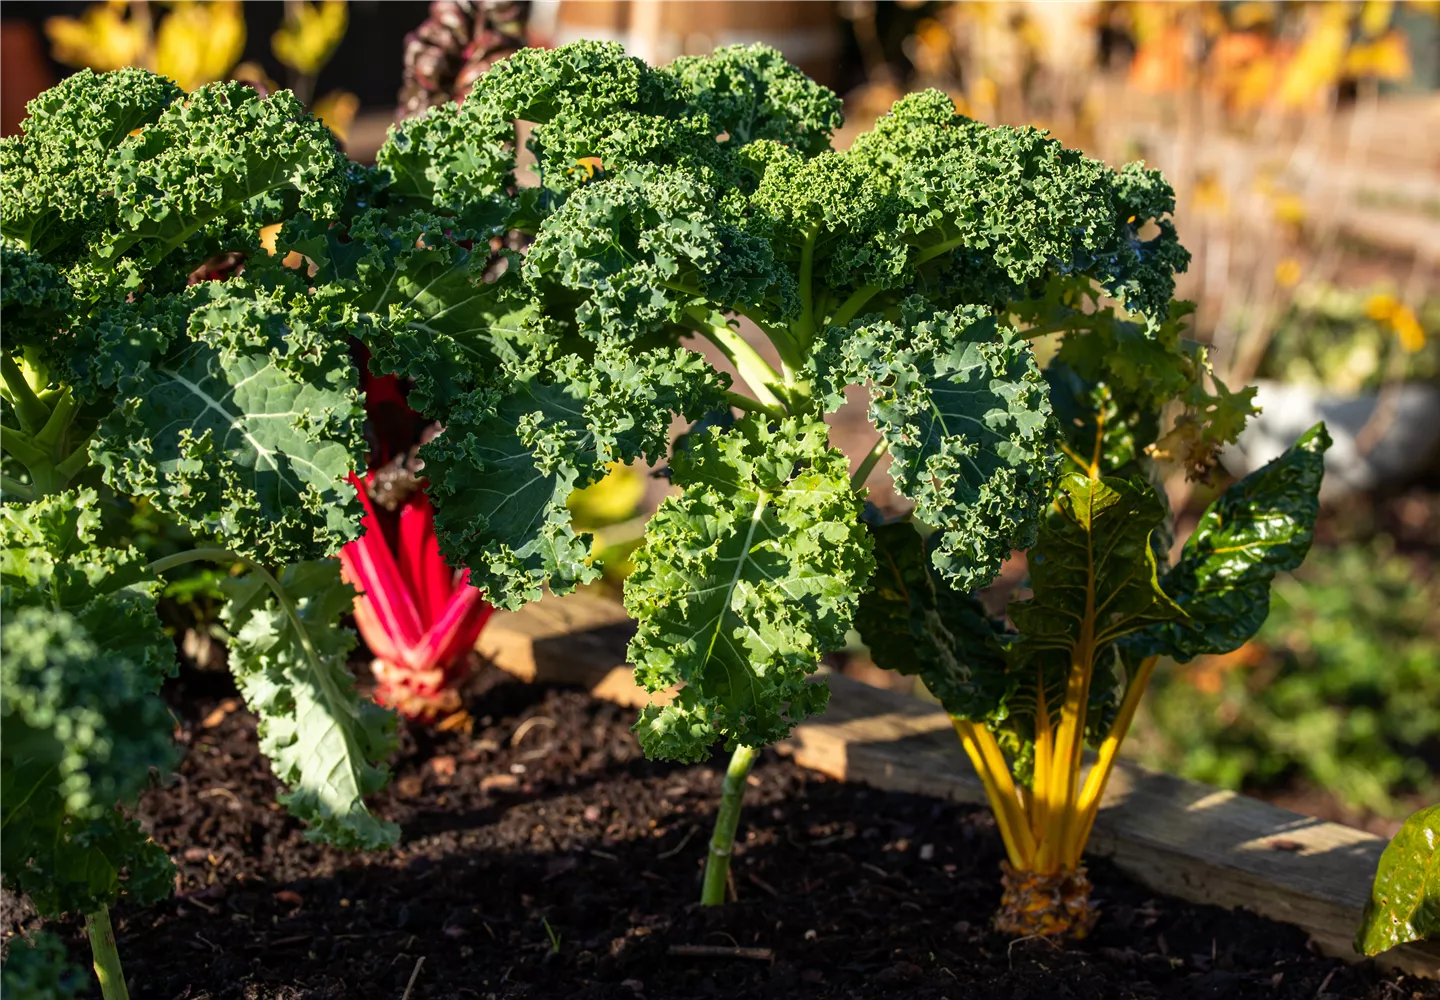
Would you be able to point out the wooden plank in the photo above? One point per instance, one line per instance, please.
(1176, 836)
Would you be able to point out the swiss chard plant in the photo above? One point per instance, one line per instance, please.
(229, 406)
(1404, 903)
(1005, 303)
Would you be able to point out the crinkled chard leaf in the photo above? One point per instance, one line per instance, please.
(324, 741)
(915, 623)
(742, 584)
(1260, 526)
(1404, 904)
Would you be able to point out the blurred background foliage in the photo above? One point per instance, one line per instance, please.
(1303, 140)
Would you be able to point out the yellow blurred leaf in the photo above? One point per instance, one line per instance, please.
(1289, 209)
(1319, 61)
(1250, 14)
(198, 42)
(1407, 329)
(1209, 196)
(1375, 16)
(310, 34)
(1386, 58)
(1288, 273)
(1381, 306)
(337, 110)
(101, 38)
(613, 499)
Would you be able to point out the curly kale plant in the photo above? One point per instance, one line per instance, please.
(230, 406)
(702, 202)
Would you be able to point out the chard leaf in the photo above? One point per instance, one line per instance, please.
(1260, 526)
(246, 425)
(324, 741)
(1404, 904)
(742, 584)
(1094, 574)
(967, 415)
(916, 624)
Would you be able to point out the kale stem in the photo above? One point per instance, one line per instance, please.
(867, 465)
(31, 413)
(167, 563)
(17, 489)
(854, 304)
(749, 405)
(755, 370)
(107, 958)
(722, 841)
(805, 328)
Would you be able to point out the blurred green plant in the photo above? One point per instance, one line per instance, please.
(1340, 688)
(1349, 340)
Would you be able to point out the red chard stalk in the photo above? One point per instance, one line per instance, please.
(418, 616)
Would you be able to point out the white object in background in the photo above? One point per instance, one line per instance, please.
(1408, 443)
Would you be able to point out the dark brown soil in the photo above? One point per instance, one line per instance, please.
(544, 857)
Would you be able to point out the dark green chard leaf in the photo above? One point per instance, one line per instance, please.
(1093, 571)
(324, 741)
(1260, 526)
(1404, 905)
(742, 584)
(915, 623)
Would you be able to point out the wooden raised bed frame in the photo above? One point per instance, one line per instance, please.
(1177, 836)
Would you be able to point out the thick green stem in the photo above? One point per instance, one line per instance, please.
(930, 253)
(107, 958)
(867, 466)
(16, 489)
(805, 328)
(31, 413)
(750, 405)
(852, 306)
(722, 841)
(763, 380)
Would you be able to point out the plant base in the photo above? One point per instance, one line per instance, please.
(1037, 904)
(421, 695)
